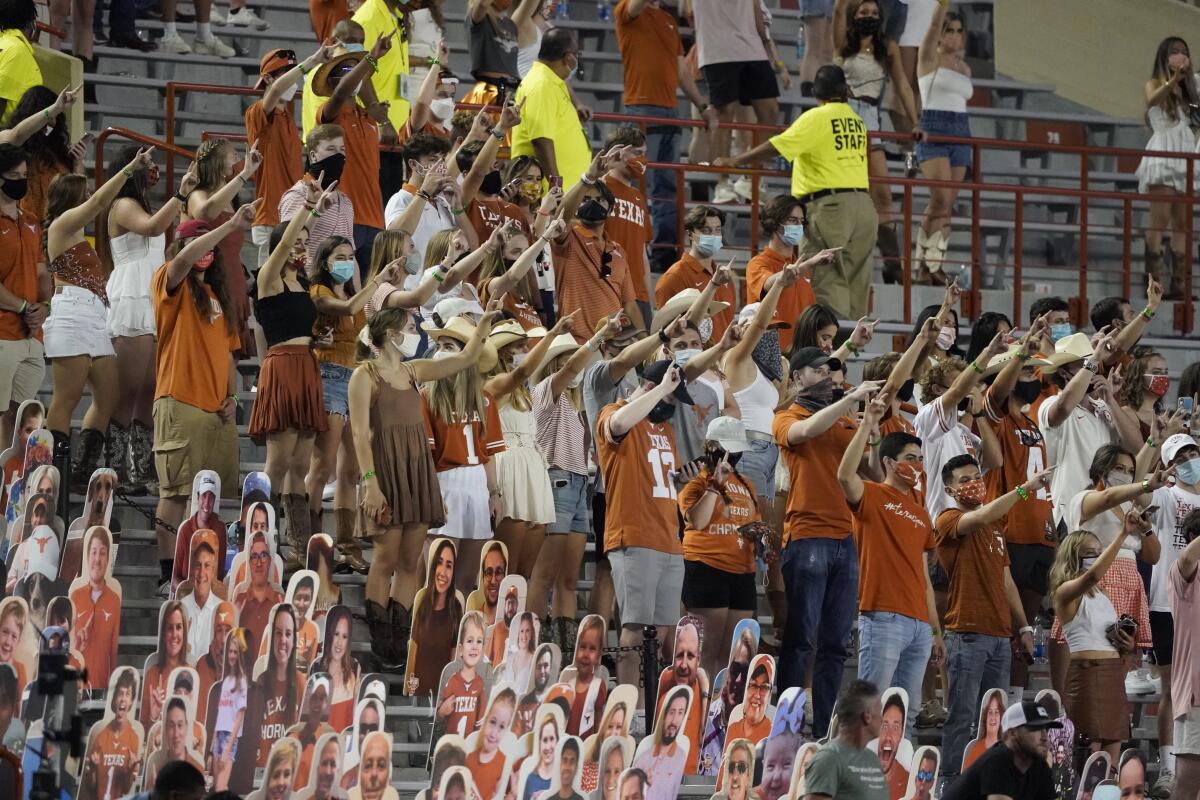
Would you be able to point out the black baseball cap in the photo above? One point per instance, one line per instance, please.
(655, 372)
(813, 357)
(1027, 715)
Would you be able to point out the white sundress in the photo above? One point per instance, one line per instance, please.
(521, 469)
(135, 258)
(1173, 135)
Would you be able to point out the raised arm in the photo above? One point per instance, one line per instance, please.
(927, 53)
(642, 349)
(505, 383)
(805, 429)
(636, 410)
(179, 266)
(1097, 502)
(847, 474)
(996, 510)
(1006, 380)
(429, 369)
(584, 355)
(503, 284)
(839, 24)
(420, 114)
(602, 162)
(711, 356)
(510, 116)
(273, 94)
(857, 341)
(26, 128)
(701, 514)
(1066, 599)
(211, 206)
(1188, 559)
(698, 310)
(435, 177)
(270, 277)
(361, 73)
(1075, 390)
(1128, 336)
(76, 219)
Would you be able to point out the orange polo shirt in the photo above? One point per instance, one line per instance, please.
(101, 619)
(279, 142)
(360, 178)
(581, 282)
(688, 273)
(20, 254)
(792, 301)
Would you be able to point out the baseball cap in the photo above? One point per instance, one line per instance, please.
(191, 228)
(225, 614)
(813, 357)
(1027, 715)
(207, 483)
(730, 433)
(273, 61)
(655, 372)
(748, 312)
(1174, 444)
(205, 536)
(42, 551)
(452, 307)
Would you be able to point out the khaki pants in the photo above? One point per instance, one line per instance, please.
(846, 220)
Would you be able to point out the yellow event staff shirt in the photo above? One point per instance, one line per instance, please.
(376, 20)
(18, 69)
(550, 114)
(827, 146)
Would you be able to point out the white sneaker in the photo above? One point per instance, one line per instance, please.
(216, 17)
(724, 194)
(330, 488)
(245, 17)
(214, 47)
(742, 188)
(165, 589)
(1138, 683)
(174, 43)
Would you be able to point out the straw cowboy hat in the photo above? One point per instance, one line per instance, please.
(999, 362)
(679, 304)
(462, 331)
(341, 64)
(510, 331)
(1067, 350)
(563, 343)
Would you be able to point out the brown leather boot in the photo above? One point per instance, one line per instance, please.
(1179, 270)
(347, 545)
(1154, 264)
(298, 531)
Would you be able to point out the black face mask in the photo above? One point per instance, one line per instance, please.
(16, 188)
(661, 412)
(508, 263)
(331, 165)
(964, 404)
(492, 183)
(905, 392)
(817, 396)
(464, 161)
(592, 210)
(867, 26)
(1027, 391)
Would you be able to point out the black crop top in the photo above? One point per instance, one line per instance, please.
(285, 316)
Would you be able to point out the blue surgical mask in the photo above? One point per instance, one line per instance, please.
(1189, 471)
(354, 47)
(682, 357)
(341, 271)
(1061, 331)
(791, 235)
(708, 245)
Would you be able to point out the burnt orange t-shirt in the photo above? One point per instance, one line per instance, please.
(486, 214)
(325, 14)
(276, 719)
(896, 423)
(719, 545)
(360, 176)
(101, 620)
(522, 312)
(697, 713)
(975, 563)
(650, 50)
(487, 776)
(193, 351)
(460, 444)
(629, 226)
(20, 254)
(816, 507)
(638, 473)
(279, 142)
(792, 300)
(892, 532)
(582, 282)
(688, 273)
(120, 749)
(468, 703)
(1023, 455)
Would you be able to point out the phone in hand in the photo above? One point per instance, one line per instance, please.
(1185, 405)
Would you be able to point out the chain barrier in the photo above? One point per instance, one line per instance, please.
(154, 520)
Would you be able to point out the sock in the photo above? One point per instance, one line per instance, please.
(169, 30)
(204, 31)
(165, 566)
(1166, 757)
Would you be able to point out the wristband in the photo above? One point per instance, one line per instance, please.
(854, 350)
(46, 114)
(125, 171)
(1147, 313)
(1145, 484)
(1153, 445)
(875, 443)
(586, 181)
(458, 212)
(372, 60)
(975, 366)
(314, 214)
(1091, 366)
(497, 134)
(1027, 629)
(368, 475)
(593, 345)
(438, 275)
(662, 336)
(780, 66)
(1024, 495)
(1023, 356)
(237, 398)
(434, 61)
(304, 68)
(24, 306)
(424, 195)
(179, 196)
(936, 632)
(495, 493)
(541, 213)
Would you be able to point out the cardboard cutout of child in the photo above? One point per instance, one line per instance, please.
(587, 677)
(492, 749)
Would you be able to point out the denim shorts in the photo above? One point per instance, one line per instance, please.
(816, 8)
(222, 740)
(757, 465)
(571, 505)
(945, 123)
(335, 384)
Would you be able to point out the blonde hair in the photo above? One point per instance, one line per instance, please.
(388, 246)
(1066, 560)
(384, 320)
(459, 398)
(286, 748)
(209, 168)
(521, 398)
(438, 245)
(475, 618)
(938, 373)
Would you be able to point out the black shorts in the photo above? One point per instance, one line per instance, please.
(740, 82)
(709, 587)
(598, 524)
(1162, 632)
(1030, 566)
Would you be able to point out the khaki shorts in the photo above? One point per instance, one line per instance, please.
(22, 367)
(648, 585)
(187, 440)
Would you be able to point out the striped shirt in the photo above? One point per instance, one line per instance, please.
(560, 433)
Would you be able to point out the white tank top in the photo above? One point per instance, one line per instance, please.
(945, 90)
(757, 403)
(1087, 630)
(527, 55)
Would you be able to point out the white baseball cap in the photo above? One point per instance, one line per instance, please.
(42, 552)
(730, 433)
(452, 307)
(1174, 443)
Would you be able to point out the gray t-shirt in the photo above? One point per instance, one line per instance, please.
(841, 771)
(691, 422)
(599, 391)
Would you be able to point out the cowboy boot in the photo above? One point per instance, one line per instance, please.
(1154, 263)
(141, 448)
(935, 257)
(381, 640)
(549, 632)
(298, 530)
(568, 631)
(62, 462)
(1179, 270)
(347, 545)
(889, 248)
(91, 450)
(116, 452)
(923, 276)
(400, 627)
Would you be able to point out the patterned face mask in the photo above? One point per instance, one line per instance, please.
(971, 493)
(767, 356)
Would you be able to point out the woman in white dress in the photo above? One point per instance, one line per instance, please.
(131, 243)
(1171, 99)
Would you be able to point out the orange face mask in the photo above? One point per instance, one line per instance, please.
(971, 493)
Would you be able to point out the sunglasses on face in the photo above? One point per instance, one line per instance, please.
(923, 775)
(739, 768)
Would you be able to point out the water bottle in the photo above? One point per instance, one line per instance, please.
(563, 10)
(1039, 645)
(800, 43)
(603, 12)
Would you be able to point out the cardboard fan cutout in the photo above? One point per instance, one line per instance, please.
(633, 783)
(177, 742)
(320, 560)
(493, 569)
(520, 649)
(752, 718)
(1095, 769)
(34, 574)
(181, 685)
(804, 757)
(314, 721)
(226, 704)
(96, 596)
(991, 709)
(451, 753)
(457, 784)
(262, 524)
(729, 688)
(537, 769)
(49, 712)
(57, 618)
(320, 783)
(437, 611)
(492, 749)
(587, 677)
(465, 683)
(211, 665)
(300, 592)
(738, 771)
(18, 642)
(31, 415)
(37, 475)
(616, 755)
(12, 728)
(564, 785)
(1060, 742)
(259, 592)
(278, 688)
(663, 756)
(97, 508)
(39, 511)
(618, 714)
(37, 519)
(513, 591)
(337, 661)
(895, 751)
(112, 762)
(368, 718)
(256, 488)
(922, 782)
(775, 756)
(170, 654)
(547, 664)
(282, 766)
(202, 593)
(685, 670)
(1131, 773)
(204, 514)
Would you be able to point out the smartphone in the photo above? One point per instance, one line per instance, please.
(1185, 405)
(556, 181)
(1150, 510)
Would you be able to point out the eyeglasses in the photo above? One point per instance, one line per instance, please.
(260, 556)
(758, 687)
(491, 572)
(739, 768)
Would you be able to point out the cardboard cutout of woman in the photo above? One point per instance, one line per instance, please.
(38, 513)
(729, 690)
(1131, 774)
(987, 733)
(31, 416)
(301, 591)
(804, 757)
(210, 666)
(537, 769)
(618, 714)
(1095, 769)
(226, 709)
(587, 677)
(283, 764)
(337, 661)
(113, 760)
(437, 612)
(663, 756)
(492, 749)
(520, 648)
(895, 751)
(97, 600)
(170, 654)
(38, 475)
(738, 771)
(616, 755)
(457, 784)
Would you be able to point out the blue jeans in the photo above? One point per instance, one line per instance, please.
(975, 664)
(892, 651)
(821, 580)
(662, 146)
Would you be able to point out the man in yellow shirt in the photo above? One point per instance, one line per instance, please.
(18, 68)
(380, 18)
(827, 146)
(550, 129)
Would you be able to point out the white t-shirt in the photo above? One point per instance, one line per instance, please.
(1106, 525)
(232, 701)
(435, 216)
(200, 624)
(942, 438)
(1071, 446)
(1174, 503)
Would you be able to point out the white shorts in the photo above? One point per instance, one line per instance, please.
(260, 235)
(648, 585)
(465, 495)
(1187, 733)
(77, 325)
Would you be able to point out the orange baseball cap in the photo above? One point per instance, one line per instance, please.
(272, 62)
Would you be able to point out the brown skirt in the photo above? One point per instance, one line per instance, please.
(289, 393)
(1096, 700)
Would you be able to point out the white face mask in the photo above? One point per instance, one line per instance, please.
(440, 354)
(290, 92)
(407, 344)
(442, 108)
(518, 359)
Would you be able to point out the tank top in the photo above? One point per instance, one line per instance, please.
(1086, 630)
(945, 90)
(865, 76)
(757, 402)
(527, 55)
(494, 47)
(286, 315)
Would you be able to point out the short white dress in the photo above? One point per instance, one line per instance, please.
(1173, 135)
(521, 470)
(135, 258)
